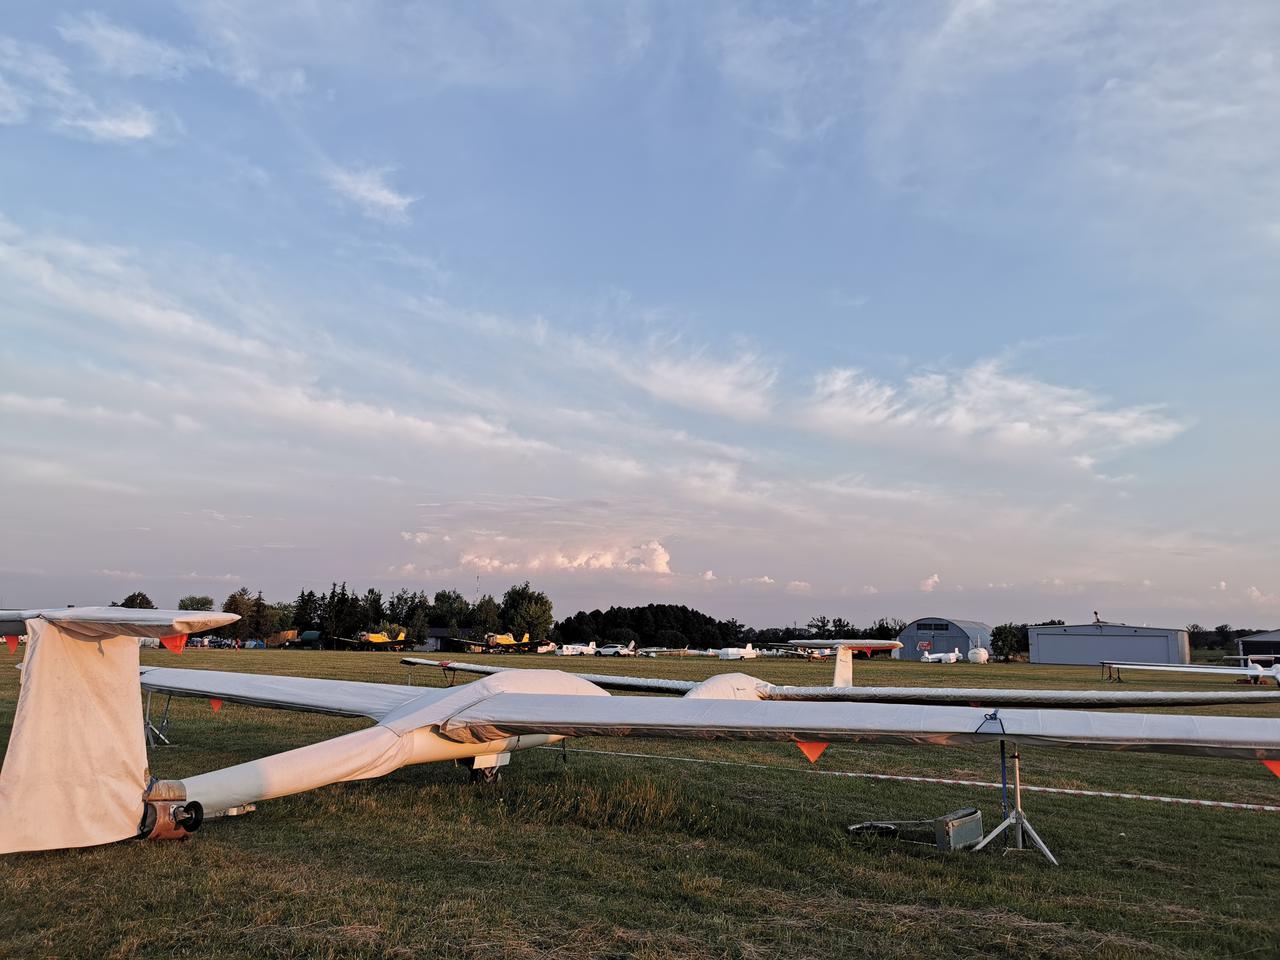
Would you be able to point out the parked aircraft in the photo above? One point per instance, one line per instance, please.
(1252, 671)
(821, 649)
(576, 649)
(950, 657)
(374, 641)
(77, 744)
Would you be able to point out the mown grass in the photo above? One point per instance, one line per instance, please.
(610, 856)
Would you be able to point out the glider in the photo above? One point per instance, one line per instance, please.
(86, 759)
(1252, 671)
(843, 691)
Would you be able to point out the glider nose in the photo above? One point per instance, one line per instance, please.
(167, 814)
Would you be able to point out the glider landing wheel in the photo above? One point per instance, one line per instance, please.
(486, 774)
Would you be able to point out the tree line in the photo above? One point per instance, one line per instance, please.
(343, 612)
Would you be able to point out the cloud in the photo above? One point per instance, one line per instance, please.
(124, 52)
(1261, 598)
(799, 587)
(64, 409)
(764, 581)
(708, 575)
(870, 590)
(650, 558)
(1220, 586)
(930, 583)
(130, 124)
(34, 80)
(118, 574)
(368, 189)
(989, 405)
(740, 387)
(38, 472)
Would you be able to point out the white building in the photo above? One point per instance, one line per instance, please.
(1091, 643)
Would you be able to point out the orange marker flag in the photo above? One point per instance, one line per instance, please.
(1273, 766)
(175, 643)
(812, 749)
(12, 641)
(215, 703)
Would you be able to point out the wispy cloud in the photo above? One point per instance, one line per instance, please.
(120, 50)
(989, 405)
(130, 124)
(33, 80)
(367, 188)
(49, 406)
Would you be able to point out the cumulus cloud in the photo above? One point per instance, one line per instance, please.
(799, 587)
(763, 581)
(367, 188)
(930, 583)
(1261, 597)
(495, 556)
(870, 590)
(1220, 586)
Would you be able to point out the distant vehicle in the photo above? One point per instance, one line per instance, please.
(617, 650)
(254, 645)
(952, 657)
(737, 653)
(576, 649)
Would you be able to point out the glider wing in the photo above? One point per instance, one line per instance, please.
(518, 714)
(343, 698)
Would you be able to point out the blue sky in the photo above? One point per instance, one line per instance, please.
(863, 309)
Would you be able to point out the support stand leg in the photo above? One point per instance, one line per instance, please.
(1017, 819)
(153, 732)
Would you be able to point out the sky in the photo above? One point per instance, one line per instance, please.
(860, 309)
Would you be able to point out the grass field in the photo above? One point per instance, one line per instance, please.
(610, 856)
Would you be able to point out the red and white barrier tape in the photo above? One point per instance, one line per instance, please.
(1187, 801)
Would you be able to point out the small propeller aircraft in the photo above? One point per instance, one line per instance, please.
(77, 745)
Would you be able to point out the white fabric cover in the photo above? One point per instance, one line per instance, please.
(92, 623)
(76, 766)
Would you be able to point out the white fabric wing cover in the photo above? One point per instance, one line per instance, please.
(76, 767)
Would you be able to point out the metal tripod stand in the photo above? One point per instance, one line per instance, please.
(1016, 818)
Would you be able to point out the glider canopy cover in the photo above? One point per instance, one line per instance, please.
(76, 768)
(97, 622)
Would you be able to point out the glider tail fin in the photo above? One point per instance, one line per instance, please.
(844, 667)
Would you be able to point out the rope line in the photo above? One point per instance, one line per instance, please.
(903, 778)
